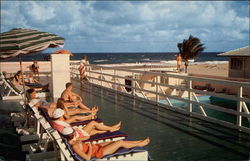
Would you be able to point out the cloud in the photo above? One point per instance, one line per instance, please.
(133, 25)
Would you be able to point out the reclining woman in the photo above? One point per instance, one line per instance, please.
(18, 81)
(36, 103)
(81, 133)
(74, 111)
(88, 150)
(31, 94)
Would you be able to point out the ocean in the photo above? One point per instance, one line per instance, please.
(118, 58)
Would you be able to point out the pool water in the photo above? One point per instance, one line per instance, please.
(210, 112)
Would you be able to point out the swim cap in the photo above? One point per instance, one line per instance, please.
(57, 113)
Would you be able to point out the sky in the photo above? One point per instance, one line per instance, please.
(133, 26)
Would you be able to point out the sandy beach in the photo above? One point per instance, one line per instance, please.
(209, 69)
(197, 69)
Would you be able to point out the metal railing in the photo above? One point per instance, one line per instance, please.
(181, 90)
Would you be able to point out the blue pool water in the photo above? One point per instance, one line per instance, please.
(210, 112)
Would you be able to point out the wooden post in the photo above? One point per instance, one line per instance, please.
(157, 89)
(239, 107)
(133, 84)
(101, 75)
(189, 109)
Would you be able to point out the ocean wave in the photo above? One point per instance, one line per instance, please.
(163, 63)
(210, 62)
(102, 60)
(169, 62)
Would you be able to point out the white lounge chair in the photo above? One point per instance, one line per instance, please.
(58, 149)
(9, 91)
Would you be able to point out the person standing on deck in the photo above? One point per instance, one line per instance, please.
(179, 60)
(82, 68)
(69, 96)
(35, 69)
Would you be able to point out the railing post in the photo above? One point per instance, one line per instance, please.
(157, 89)
(239, 107)
(115, 79)
(133, 83)
(189, 95)
(115, 85)
(101, 75)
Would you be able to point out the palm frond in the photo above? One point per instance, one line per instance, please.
(190, 48)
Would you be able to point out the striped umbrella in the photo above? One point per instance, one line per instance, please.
(25, 41)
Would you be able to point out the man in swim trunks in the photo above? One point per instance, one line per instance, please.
(71, 97)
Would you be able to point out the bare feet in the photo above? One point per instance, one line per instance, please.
(94, 110)
(116, 127)
(144, 142)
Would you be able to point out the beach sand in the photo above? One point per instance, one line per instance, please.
(198, 69)
(209, 69)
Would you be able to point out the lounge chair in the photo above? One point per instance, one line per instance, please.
(11, 92)
(98, 138)
(9, 89)
(136, 153)
(61, 150)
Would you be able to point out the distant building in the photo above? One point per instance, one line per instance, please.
(239, 62)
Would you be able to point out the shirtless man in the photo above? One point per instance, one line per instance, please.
(71, 97)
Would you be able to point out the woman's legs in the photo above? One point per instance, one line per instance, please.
(94, 131)
(78, 118)
(114, 146)
(97, 126)
(77, 111)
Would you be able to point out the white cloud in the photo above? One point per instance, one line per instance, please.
(131, 22)
(40, 11)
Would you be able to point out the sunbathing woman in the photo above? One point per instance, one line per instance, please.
(88, 150)
(31, 94)
(18, 81)
(83, 133)
(73, 111)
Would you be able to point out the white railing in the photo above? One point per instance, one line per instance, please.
(181, 89)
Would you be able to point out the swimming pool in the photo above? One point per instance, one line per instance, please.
(210, 112)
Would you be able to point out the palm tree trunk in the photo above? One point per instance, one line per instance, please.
(186, 65)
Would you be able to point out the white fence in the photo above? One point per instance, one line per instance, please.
(165, 89)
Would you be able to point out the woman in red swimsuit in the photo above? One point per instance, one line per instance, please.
(88, 150)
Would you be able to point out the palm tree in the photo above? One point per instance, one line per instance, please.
(189, 49)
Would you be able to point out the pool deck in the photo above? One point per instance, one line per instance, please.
(173, 136)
